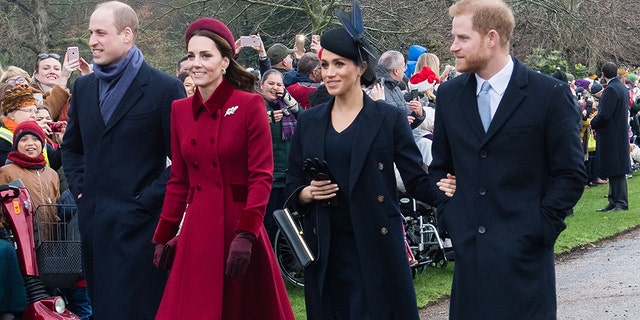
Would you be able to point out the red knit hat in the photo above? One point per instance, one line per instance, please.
(27, 127)
(213, 25)
(423, 80)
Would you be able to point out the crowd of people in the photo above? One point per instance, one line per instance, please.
(213, 151)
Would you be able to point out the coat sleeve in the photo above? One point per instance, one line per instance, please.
(152, 196)
(175, 199)
(260, 166)
(72, 149)
(566, 176)
(408, 161)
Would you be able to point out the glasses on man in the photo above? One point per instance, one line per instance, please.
(29, 110)
(17, 80)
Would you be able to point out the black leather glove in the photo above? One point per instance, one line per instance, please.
(239, 254)
(318, 170)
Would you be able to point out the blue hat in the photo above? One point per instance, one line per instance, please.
(596, 87)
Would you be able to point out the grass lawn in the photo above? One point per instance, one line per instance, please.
(585, 227)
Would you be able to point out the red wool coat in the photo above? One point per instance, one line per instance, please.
(222, 169)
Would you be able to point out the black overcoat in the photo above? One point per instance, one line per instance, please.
(120, 169)
(383, 137)
(612, 128)
(515, 185)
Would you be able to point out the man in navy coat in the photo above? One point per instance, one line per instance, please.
(516, 181)
(114, 156)
(612, 142)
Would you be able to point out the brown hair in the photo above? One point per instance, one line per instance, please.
(236, 74)
(487, 15)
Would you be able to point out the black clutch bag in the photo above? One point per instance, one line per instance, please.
(293, 234)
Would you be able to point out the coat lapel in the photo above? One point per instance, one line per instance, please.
(511, 100)
(366, 131)
(134, 93)
(469, 106)
(95, 102)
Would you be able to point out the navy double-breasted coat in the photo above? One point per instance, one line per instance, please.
(383, 137)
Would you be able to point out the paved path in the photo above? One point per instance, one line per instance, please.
(599, 282)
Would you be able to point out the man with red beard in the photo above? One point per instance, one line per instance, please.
(511, 137)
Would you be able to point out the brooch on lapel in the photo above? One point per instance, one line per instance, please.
(231, 111)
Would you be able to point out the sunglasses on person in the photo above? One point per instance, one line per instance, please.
(18, 80)
(43, 56)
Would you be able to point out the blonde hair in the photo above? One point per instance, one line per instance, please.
(13, 71)
(430, 60)
(487, 15)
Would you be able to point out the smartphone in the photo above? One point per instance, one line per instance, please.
(73, 53)
(300, 41)
(248, 41)
(414, 94)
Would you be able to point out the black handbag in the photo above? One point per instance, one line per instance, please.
(294, 235)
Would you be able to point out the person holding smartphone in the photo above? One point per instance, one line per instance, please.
(282, 110)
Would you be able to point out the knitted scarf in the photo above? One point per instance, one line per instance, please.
(25, 161)
(288, 122)
(115, 79)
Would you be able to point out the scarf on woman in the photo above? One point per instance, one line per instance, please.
(115, 79)
(288, 122)
(24, 161)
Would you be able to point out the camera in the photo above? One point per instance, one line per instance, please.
(56, 126)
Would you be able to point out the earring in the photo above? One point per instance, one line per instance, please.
(224, 71)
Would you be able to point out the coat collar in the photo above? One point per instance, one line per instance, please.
(368, 126)
(217, 100)
(134, 93)
(513, 96)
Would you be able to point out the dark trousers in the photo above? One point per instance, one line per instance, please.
(618, 194)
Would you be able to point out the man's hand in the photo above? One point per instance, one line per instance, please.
(416, 107)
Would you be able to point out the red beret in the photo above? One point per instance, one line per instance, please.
(213, 25)
(27, 127)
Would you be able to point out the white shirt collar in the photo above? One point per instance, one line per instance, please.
(500, 80)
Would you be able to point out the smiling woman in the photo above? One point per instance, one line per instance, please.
(221, 175)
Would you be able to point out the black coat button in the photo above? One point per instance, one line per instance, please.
(482, 230)
(482, 191)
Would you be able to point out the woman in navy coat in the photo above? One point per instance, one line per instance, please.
(361, 270)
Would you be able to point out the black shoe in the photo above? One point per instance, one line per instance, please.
(609, 207)
(619, 208)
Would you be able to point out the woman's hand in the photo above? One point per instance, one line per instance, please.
(317, 191)
(277, 115)
(447, 185)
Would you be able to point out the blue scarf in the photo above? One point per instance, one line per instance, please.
(115, 79)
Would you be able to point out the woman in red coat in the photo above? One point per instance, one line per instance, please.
(221, 175)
